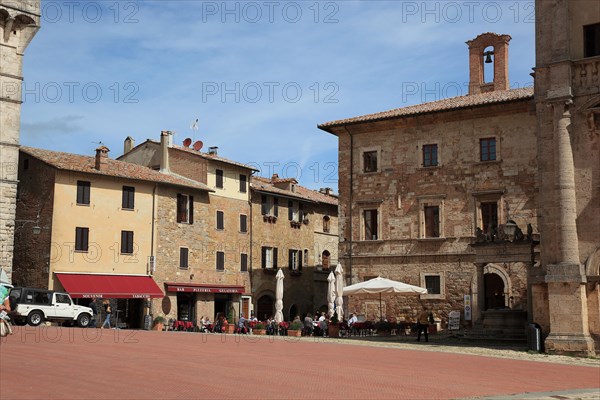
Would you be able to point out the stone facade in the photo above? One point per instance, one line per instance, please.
(419, 188)
(19, 22)
(315, 237)
(201, 288)
(567, 89)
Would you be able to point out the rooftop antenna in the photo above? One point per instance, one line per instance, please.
(194, 126)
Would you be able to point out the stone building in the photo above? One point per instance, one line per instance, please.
(295, 229)
(203, 262)
(440, 195)
(565, 290)
(88, 225)
(19, 22)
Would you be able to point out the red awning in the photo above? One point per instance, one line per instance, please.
(110, 286)
(203, 288)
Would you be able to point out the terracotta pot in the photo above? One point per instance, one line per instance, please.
(158, 327)
(293, 332)
(333, 331)
(259, 331)
(230, 328)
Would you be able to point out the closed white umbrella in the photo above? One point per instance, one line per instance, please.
(339, 289)
(382, 285)
(279, 297)
(331, 293)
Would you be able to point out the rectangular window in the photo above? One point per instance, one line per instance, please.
(433, 284)
(220, 261)
(487, 149)
(269, 257)
(183, 257)
(264, 205)
(432, 221)
(185, 209)
(244, 262)
(430, 155)
(82, 239)
(243, 223)
(326, 220)
(128, 202)
(220, 220)
(370, 161)
(83, 192)
(219, 176)
(269, 205)
(489, 216)
(591, 40)
(300, 212)
(126, 242)
(370, 223)
(295, 260)
(305, 256)
(243, 186)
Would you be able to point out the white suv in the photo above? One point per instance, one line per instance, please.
(33, 306)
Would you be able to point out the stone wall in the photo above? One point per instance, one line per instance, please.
(32, 251)
(25, 20)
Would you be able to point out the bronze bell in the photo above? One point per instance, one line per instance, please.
(488, 57)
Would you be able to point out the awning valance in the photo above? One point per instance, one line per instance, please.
(110, 286)
(203, 288)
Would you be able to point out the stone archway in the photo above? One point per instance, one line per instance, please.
(265, 307)
(496, 286)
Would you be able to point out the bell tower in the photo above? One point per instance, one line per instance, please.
(488, 48)
(19, 22)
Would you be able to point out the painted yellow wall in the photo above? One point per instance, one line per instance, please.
(231, 181)
(105, 219)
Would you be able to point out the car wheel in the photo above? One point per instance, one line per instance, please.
(84, 320)
(35, 318)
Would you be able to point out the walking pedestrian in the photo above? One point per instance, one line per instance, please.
(108, 312)
(423, 324)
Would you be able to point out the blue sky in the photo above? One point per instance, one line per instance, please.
(259, 76)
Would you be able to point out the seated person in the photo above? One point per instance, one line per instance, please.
(242, 325)
(206, 325)
(308, 325)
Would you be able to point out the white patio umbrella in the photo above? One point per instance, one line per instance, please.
(382, 285)
(279, 297)
(339, 289)
(331, 293)
(3, 277)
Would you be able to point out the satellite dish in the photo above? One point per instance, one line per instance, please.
(198, 145)
(187, 142)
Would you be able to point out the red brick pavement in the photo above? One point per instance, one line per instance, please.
(72, 363)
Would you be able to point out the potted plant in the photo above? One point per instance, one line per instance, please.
(259, 329)
(230, 328)
(384, 328)
(295, 329)
(159, 323)
(333, 329)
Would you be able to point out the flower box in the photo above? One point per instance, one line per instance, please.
(333, 330)
(230, 328)
(294, 332)
(259, 331)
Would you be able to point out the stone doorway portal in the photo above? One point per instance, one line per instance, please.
(265, 307)
(494, 291)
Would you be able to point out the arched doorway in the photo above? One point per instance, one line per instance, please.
(293, 312)
(265, 307)
(494, 291)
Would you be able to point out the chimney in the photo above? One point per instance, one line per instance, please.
(165, 138)
(128, 144)
(481, 50)
(326, 191)
(213, 150)
(275, 177)
(101, 157)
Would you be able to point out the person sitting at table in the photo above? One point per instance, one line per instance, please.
(308, 325)
(351, 323)
(242, 325)
(323, 325)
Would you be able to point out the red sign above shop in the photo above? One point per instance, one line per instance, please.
(109, 286)
(201, 288)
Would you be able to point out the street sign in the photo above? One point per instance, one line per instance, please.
(454, 320)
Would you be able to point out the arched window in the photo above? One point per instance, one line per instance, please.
(325, 259)
(326, 220)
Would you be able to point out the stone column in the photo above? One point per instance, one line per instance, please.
(569, 331)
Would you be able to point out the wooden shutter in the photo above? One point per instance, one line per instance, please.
(299, 260)
(276, 207)
(179, 207)
(263, 205)
(291, 258)
(264, 257)
(191, 210)
(220, 223)
(274, 257)
(290, 210)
